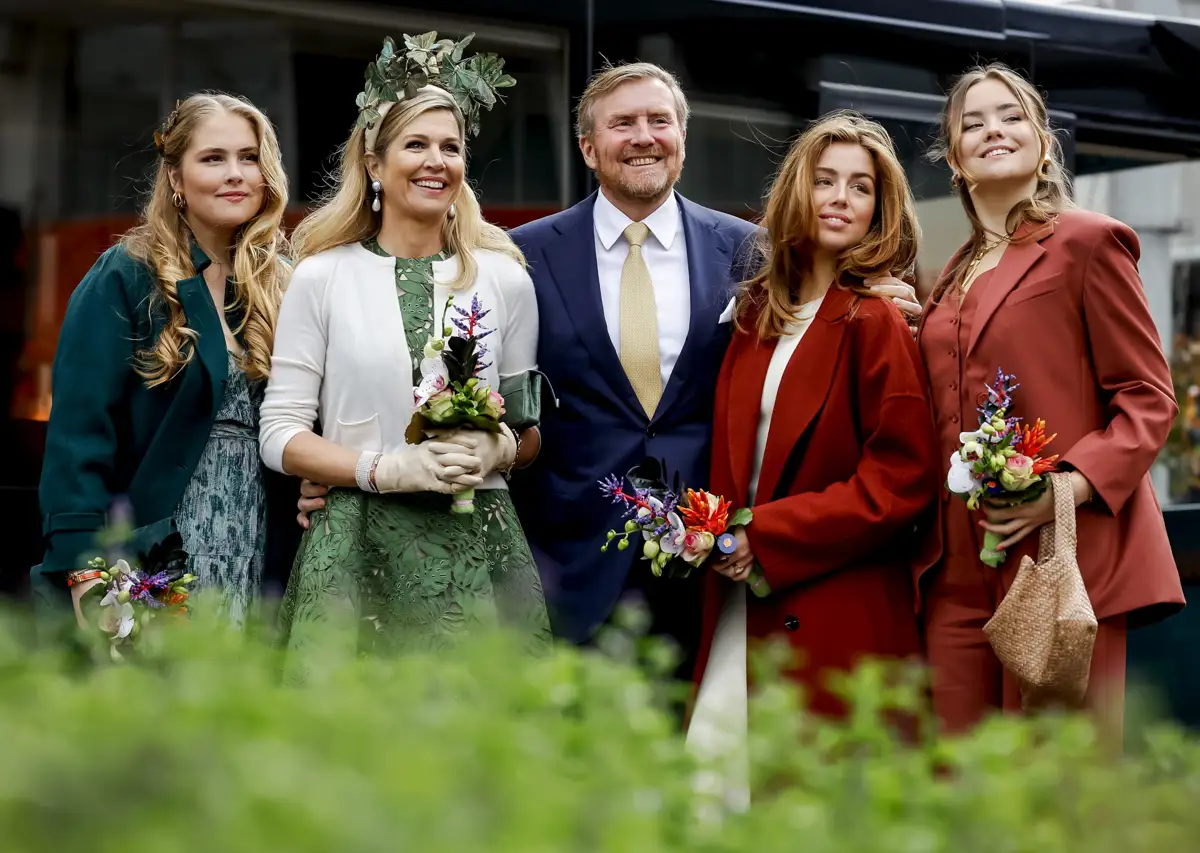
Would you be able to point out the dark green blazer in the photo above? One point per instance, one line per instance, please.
(109, 435)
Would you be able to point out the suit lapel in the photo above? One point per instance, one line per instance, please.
(571, 261)
(804, 387)
(1021, 254)
(709, 262)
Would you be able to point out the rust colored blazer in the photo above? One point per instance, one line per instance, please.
(1066, 313)
(848, 467)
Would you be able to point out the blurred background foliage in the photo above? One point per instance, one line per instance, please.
(200, 746)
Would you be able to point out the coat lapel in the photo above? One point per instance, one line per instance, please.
(1022, 253)
(571, 261)
(751, 358)
(709, 263)
(202, 318)
(804, 387)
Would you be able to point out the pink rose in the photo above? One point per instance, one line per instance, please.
(697, 545)
(494, 407)
(1018, 473)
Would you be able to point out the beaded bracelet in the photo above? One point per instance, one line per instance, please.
(364, 472)
(82, 576)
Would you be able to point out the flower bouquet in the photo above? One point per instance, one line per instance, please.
(450, 394)
(999, 463)
(679, 527)
(131, 597)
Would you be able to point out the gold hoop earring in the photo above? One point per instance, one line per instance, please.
(955, 180)
(178, 200)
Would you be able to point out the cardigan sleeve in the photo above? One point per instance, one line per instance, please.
(292, 399)
(519, 337)
(1130, 366)
(803, 536)
(92, 378)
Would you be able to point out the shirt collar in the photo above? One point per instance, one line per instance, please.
(611, 223)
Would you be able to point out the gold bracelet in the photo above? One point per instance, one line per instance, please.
(508, 471)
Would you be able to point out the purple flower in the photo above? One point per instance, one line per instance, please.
(999, 396)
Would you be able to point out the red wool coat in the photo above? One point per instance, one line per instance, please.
(849, 466)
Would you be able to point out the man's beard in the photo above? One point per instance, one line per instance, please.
(644, 188)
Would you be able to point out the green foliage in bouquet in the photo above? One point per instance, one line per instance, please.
(451, 394)
(478, 748)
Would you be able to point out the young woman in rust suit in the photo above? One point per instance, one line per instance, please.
(1051, 294)
(822, 425)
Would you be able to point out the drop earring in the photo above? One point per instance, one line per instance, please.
(376, 188)
(450, 214)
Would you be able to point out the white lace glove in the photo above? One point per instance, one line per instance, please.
(432, 466)
(492, 451)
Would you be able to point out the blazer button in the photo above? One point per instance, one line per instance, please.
(791, 623)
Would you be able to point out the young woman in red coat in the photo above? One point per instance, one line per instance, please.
(1051, 294)
(822, 425)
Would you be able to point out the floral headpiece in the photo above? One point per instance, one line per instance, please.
(427, 61)
(160, 135)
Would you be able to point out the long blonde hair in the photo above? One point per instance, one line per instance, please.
(345, 215)
(163, 242)
(790, 223)
(1053, 191)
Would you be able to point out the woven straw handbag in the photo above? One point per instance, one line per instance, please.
(1044, 629)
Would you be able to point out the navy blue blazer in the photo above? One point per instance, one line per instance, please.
(598, 427)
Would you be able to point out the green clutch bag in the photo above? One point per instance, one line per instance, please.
(522, 395)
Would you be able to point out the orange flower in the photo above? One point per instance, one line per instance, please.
(1041, 466)
(705, 511)
(1033, 440)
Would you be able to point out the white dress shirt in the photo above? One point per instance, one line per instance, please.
(341, 355)
(665, 253)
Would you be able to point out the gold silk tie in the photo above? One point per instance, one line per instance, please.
(639, 323)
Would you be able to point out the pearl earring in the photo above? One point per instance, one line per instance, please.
(376, 188)
(450, 214)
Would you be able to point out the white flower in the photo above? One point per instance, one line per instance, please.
(672, 541)
(433, 379)
(117, 618)
(433, 349)
(646, 516)
(961, 479)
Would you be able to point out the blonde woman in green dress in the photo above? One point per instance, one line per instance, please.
(401, 233)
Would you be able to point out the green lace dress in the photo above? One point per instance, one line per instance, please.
(396, 573)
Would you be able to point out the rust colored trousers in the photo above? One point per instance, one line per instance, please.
(968, 681)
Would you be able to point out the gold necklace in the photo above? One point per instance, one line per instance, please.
(987, 247)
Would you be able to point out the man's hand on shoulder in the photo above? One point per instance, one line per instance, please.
(902, 294)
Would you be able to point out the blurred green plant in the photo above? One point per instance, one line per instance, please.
(202, 747)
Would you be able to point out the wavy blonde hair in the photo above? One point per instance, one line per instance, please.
(163, 241)
(345, 215)
(1053, 191)
(790, 223)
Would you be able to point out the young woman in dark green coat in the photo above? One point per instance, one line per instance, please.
(162, 359)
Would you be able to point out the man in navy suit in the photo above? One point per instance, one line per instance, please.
(633, 286)
(633, 372)
(613, 410)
